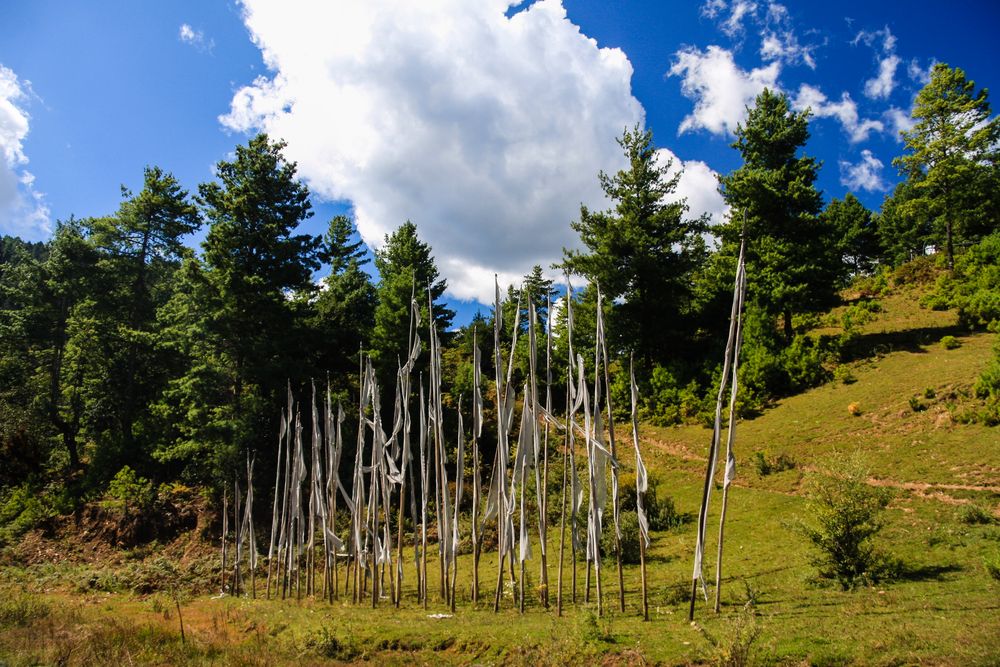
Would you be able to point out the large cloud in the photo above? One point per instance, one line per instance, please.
(846, 111)
(486, 130)
(721, 90)
(22, 209)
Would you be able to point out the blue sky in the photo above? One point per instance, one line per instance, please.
(483, 123)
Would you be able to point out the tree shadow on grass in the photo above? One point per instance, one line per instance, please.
(910, 340)
(910, 572)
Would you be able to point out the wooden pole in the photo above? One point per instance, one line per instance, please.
(730, 459)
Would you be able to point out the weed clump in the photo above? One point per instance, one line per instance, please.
(21, 610)
(765, 465)
(975, 515)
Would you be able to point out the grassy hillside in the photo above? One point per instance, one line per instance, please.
(899, 407)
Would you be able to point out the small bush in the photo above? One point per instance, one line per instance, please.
(131, 490)
(845, 517)
(929, 393)
(860, 313)
(916, 405)
(660, 510)
(25, 507)
(629, 522)
(919, 271)
(950, 343)
(988, 389)
(324, 643)
(844, 375)
(854, 409)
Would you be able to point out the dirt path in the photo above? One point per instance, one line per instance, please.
(931, 491)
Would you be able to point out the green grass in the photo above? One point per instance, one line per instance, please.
(945, 608)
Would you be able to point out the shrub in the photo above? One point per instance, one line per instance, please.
(918, 271)
(629, 523)
(844, 375)
(766, 465)
(950, 343)
(860, 313)
(988, 389)
(845, 517)
(131, 490)
(24, 507)
(660, 510)
(854, 409)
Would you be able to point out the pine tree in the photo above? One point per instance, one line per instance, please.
(792, 257)
(406, 268)
(642, 252)
(952, 157)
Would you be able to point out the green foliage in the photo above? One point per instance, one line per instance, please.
(642, 252)
(131, 490)
(974, 287)
(23, 508)
(950, 343)
(325, 643)
(660, 510)
(793, 261)
(407, 270)
(844, 518)
(951, 158)
(975, 514)
(629, 525)
(855, 228)
(767, 465)
(666, 402)
(987, 388)
(860, 313)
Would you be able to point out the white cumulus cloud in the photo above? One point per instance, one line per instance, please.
(880, 87)
(900, 121)
(22, 209)
(698, 184)
(486, 131)
(195, 38)
(739, 11)
(920, 74)
(863, 175)
(883, 42)
(721, 90)
(846, 111)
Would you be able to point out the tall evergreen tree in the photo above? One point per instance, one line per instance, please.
(642, 252)
(345, 307)
(254, 265)
(952, 155)
(853, 225)
(141, 247)
(792, 257)
(404, 263)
